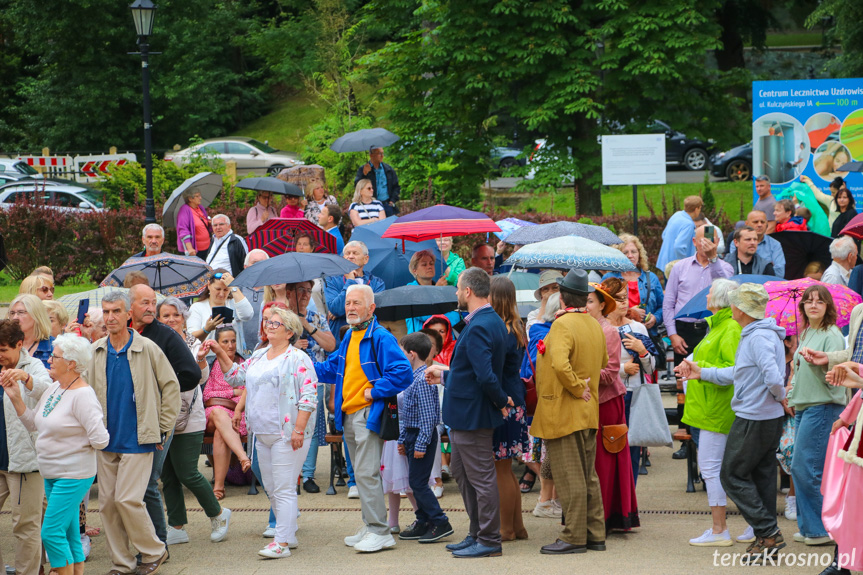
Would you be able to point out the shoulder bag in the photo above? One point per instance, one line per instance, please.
(390, 416)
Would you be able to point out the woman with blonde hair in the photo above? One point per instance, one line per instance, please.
(316, 198)
(281, 397)
(643, 290)
(219, 293)
(365, 209)
(510, 440)
(31, 315)
(58, 315)
(39, 285)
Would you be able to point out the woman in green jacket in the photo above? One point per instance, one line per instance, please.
(708, 408)
(454, 263)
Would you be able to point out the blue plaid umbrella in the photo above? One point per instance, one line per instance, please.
(570, 253)
(542, 232)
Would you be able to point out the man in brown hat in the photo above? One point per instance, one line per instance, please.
(568, 363)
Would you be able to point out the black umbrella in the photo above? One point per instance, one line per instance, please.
(414, 301)
(800, 248)
(274, 185)
(293, 267)
(364, 140)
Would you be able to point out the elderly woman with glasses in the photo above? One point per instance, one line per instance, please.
(263, 210)
(68, 420)
(203, 322)
(31, 315)
(193, 226)
(317, 197)
(39, 285)
(281, 390)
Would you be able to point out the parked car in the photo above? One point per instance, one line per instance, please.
(691, 153)
(12, 177)
(61, 196)
(250, 155)
(503, 157)
(8, 165)
(735, 164)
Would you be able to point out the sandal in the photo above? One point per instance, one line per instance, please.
(219, 493)
(246, 464)
(92, 531)
(523, 483)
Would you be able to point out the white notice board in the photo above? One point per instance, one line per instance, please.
(633, 160)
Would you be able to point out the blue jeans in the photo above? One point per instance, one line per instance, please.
(152, 497)
(807, 464)
(61, 535)
(256, 469)
(311, 461)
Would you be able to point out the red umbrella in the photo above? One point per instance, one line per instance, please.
(440, 220)
(854, 228)
(277, 235)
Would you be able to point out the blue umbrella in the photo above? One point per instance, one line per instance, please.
(570, 253)
(542, 232)
(509, 225)
(386, 259)
(696, 308)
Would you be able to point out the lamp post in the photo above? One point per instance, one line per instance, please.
(144, 13)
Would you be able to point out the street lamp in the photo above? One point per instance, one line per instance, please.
(144, 13)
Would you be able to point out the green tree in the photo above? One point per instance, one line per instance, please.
(847, 29)
(564, 70)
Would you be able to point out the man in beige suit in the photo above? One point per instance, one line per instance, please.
(567, 415)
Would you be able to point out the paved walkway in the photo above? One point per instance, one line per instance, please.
(669, 517)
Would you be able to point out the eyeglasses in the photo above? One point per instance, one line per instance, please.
(302, 290)
(47, 289)
(270, 324)
(21, 313)
(55, 356)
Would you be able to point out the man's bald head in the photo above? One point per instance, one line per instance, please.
(757, 220)
(143, 305)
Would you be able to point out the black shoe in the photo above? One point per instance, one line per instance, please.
(415, 531)
(681, 453)
(834, 569)
(437, 532)
(310, 486)
(560, 547)
(596, 545)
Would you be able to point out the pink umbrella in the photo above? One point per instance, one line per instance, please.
(786, 295)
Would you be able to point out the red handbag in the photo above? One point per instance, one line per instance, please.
(530, 388)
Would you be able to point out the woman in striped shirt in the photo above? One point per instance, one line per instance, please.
(365, 209)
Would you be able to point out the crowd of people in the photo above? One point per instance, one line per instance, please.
(127, 397)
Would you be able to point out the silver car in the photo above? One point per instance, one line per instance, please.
(11, 166)
(250, 155)
(65, 197)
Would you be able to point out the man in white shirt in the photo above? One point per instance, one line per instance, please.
(227, 250)
(843, 250)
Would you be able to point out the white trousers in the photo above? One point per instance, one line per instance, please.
(711, 449)
(280, 467)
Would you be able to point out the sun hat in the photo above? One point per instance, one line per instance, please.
(750, 298)
(610, 304)
(547, 277)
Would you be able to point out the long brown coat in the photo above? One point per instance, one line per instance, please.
(575, 353)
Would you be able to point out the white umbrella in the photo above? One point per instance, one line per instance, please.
(570, 253)
(208, 183)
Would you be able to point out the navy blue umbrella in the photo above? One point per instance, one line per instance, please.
(386, 259)
(696, 308)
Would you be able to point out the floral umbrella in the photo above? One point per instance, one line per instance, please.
(786, 295)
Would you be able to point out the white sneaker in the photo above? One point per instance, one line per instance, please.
(558, 510)
(274, 551)
(293, 544)
(445, 473)
(353, 492)
(818, 540)
(438, 491)
(219, 525)
(356, 537)
(269, 532)
(791, 508)
(544, 509)
(177, 536)
(373, 542)
(395, 529)
(711, 539)
(748, 535)
(799, 537)
(85, 545)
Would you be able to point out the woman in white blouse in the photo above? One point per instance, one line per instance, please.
(202, 323)
(69, 423)
(281, 398)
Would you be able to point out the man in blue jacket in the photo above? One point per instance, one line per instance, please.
(336, 288)
(678, 233)
(367, 368)
(474, 403)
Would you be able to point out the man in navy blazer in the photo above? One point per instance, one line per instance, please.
(474, 403)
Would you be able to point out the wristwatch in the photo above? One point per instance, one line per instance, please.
(233, 289)
(712, 260)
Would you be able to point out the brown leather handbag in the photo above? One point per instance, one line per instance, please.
(614, 437)
(221, 402)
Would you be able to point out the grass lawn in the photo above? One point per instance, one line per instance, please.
(617, 199)
(8, 293)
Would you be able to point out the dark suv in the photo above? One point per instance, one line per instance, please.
(690, 153)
